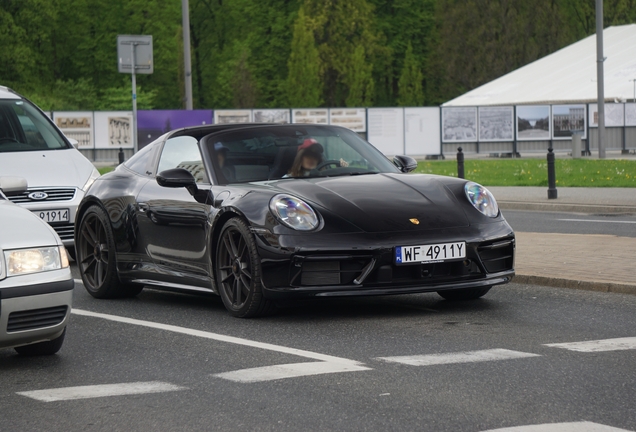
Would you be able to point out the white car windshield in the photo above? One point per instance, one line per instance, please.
(24, 128)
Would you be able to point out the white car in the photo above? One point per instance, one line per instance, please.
(36, 285)
(32, 147)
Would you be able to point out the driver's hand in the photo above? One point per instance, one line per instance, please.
(343, 163)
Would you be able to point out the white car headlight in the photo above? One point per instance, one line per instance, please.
(481, 199)
(24, 261)
(294, 212)
(91, 179)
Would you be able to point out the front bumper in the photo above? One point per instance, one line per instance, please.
(34, 311)
(56, 202)
(325, 266)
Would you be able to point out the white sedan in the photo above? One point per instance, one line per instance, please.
(36, 286)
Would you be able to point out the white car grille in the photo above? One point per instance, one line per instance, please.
(49, 195)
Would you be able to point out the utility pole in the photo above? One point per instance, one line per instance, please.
(600, 80)
(187, 62)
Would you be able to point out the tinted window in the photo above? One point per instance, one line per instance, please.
(183, 152)
(267, 153)
(24, 128)
(140, 161)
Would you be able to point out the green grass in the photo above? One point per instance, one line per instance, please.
(104, 170)
(534, 172)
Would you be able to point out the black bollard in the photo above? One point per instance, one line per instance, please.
(552, 191)
(121, 155)
(460, 163)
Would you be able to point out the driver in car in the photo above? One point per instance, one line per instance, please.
(308, 157)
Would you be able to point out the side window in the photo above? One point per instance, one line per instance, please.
(139, 163)
(183, 152)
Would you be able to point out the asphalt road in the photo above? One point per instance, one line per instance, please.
(571, 223)
(384, 363)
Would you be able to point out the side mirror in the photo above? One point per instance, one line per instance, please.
(13, 184)
(178, 178)
(74, 142)
(405, 163)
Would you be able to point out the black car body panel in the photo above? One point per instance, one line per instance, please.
(168, 236)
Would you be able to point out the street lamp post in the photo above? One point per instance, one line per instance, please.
(634, 97)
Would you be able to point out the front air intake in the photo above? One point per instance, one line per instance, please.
(36, 318)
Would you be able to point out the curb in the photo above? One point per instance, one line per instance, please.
(611, 287)
(568, 208)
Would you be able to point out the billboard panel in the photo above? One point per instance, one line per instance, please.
(352, 118)
(310, 115)
(459, 124)
(568, 119)
(421, 131)
(77, 125)
(533, 123)
(496, 124)
(386, 130)
(614, 115)
(113, 129)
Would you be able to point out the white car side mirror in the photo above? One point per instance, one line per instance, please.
(74, 142)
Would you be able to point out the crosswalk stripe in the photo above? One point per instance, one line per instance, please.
(617, 344)
(459, 357)
(292, 370)
(561, 427)
(104, 390)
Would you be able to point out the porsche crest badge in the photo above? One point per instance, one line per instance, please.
(414, 221)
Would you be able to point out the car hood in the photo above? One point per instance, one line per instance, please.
(23, 229)
(383, 202)
(48, 168)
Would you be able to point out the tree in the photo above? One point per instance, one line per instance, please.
(359, 79)
(410, 92)
(304, 83)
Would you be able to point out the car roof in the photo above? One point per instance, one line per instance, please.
(7, 93)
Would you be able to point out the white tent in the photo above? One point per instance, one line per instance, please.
(566, 76)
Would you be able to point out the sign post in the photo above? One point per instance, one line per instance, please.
(135, 56)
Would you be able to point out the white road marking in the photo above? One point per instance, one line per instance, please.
(561, 427)
(618, 344)
(292, 370)
(459, 357)
(597, 220)
(95, 391)
(329, 364)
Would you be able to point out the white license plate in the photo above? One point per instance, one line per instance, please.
(52, 216)
(430, 253)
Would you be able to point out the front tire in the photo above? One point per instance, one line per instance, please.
(238, 271)
(96, 258)
(42, 348)
(464, 294)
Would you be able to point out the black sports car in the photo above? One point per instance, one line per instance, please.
(259, 213)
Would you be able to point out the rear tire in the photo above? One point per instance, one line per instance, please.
(464, 294)
(42, 348)
(96, 257)
(238, 271)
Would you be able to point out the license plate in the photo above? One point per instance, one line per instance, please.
(52, 216)
(430, 253)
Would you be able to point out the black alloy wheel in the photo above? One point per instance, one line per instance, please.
(95, 250)
(238, 271)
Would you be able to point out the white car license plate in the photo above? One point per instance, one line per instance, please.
(430, 253)
(52, 216)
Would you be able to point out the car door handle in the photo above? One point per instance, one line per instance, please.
(143, 207)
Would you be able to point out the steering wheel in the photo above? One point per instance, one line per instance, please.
(331, 163)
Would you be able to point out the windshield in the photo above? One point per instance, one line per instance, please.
(292, 151)
(24, 128)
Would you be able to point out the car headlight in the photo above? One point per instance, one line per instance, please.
(481, 199)
(294, 212)
(24, 261)
(91, 179)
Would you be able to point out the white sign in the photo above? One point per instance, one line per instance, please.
(232, 116)
(386, 130)
(271, 115)
(310, 115)
(496, 124)
(459, 124)
(421, 131)
(352, 118)
(533, 123)
(614, 115)
(76, 125)
(630, 114)
(113, 129)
